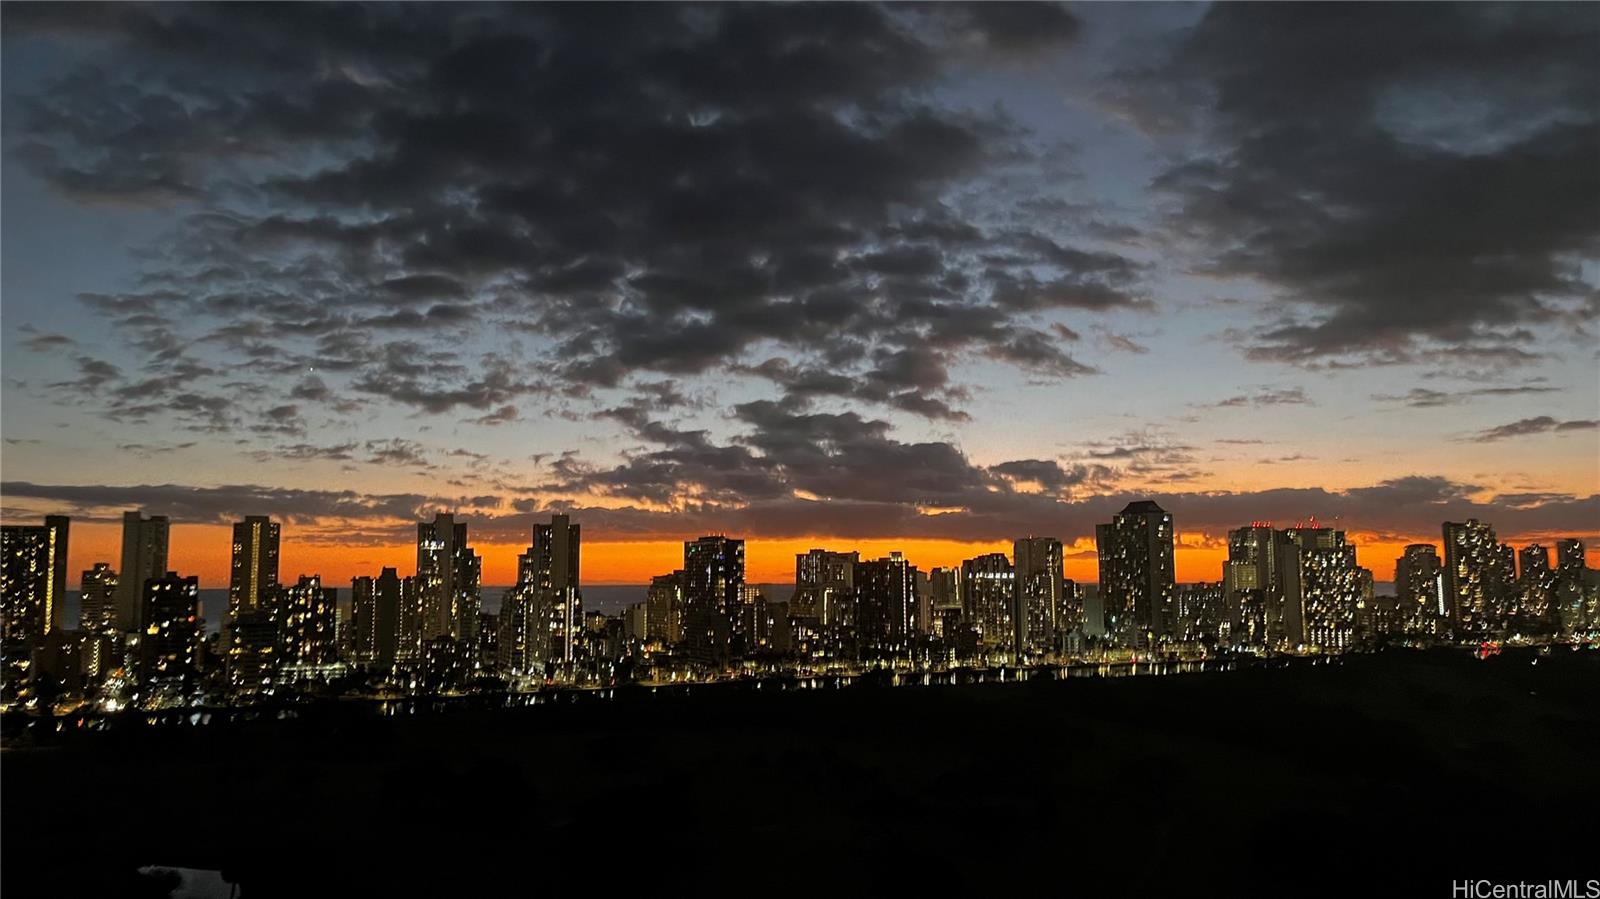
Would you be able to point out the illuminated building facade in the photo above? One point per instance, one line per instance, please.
(375, 610)
(1477, 581)
(97, 599)
(520, 641)
(989, 587)
(1252, 586)
(664, 608)
(306, 623)
(944, 601)
(1036, 615)
(1535, 585)
(33, 580)
(1137, 574)
(97, 621)
(886, 604)
(713, 585)
(254, 571)
(1324, 589)
(448, 579)
(1420, 601)
(552, 568)
(1202, 614)
(824, 585)
(1571, 589)
(254, 645)
(488, 649)
(169, 645)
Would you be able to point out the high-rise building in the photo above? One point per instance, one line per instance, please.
(1570, 555)
(1070, 618)
(944, 599)
(255, 562)
(97, 599)
(1137, 574)
(144, 556)
(306, 629)
(1535, 583)
(521, 641)
(448, 579)
(636, 622)
(253, 644)
(1252, 586)
(1420, 601)
(713, 585)
(375, 607)
(488, 655)
(33, 580)
(1323, 588)
(824, 586)
(1036, 610)
(169, 645)
(664, 608)
(551, 566)
(1202, 615)
(886, 606)
(1570, 588)
(1476, 580)
(989, 589)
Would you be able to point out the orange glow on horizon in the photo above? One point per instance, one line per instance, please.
(204, 550)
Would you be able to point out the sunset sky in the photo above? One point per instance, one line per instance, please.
(923, 278)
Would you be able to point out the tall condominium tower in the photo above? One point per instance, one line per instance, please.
(664, 608)
(551, 570)
(33, 579)
(1037, 608)
(1535, 582)
(255, 562)
(713, 584)
(1476, 580)
(144, 556)
(1251, 586)
(448, 575)
(1136, 573)
(1324, 588)
(1420, 599)
(944, 601)
(307, 614)
(886, 604)
(169, 646)
(989, 589)
(97, 599)
(1568, 588)
(824, 584)
(375, 610)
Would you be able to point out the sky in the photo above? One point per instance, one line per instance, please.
(914, 277)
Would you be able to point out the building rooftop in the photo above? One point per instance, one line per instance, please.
(1143, 507)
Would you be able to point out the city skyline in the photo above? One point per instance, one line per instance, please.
(841, 447)
(1005, 270)
(1283, 591)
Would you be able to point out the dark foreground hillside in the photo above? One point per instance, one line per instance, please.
(1387, 775)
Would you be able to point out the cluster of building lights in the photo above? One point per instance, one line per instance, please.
(141, 643)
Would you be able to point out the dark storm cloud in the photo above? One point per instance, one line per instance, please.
(1417, 182)
(652, 188)
(1543, 424)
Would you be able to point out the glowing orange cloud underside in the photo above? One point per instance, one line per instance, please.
(204, 550)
